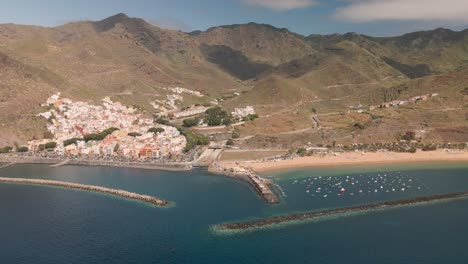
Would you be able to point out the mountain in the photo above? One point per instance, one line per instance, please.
(260, 43)
(282, 74)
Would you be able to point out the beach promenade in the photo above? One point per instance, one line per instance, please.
(55, 162)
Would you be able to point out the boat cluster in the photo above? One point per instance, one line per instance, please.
(363, 184)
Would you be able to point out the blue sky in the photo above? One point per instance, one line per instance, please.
(372, 17)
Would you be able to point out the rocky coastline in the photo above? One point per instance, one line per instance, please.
(271, 221)
(92, 188)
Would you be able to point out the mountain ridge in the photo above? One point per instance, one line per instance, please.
(132, 61)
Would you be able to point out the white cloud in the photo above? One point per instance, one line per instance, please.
(281, 5)
(404, 10)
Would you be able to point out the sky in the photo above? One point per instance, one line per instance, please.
(371, 17)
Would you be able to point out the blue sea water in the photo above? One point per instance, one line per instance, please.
(52, 225)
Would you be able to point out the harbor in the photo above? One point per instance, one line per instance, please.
(92, 188)
(261, 185)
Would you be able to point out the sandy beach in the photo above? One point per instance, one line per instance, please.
(351, 158)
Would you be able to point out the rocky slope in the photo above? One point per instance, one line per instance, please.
(283, 74)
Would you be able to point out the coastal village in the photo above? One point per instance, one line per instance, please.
(77, 127)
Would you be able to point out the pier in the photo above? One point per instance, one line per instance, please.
(92, 188)
(261, 185)
(298, 217)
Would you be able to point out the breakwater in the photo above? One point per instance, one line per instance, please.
(260, 184)
(92, 188)
(168, 166)
(299, 217)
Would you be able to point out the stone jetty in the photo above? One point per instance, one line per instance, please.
(125, 194)
(261, 185)
(271, 221)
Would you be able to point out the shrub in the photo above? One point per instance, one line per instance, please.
(235, 133)
(22, 149)
(156, 130)
(301, 151)
(6, 149)
(134, 134)
(359, 126)
(408, 136)
(252, 117)
(230, 142)
(101, 135)
(162, 121)
(50, 145)
(429, 148)
(190, 122)
(71, 141)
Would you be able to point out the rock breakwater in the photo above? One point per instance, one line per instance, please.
(260, 184)
(92, 188)
(298, 217)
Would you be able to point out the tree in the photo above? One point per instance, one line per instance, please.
(156, 130)
(190, 122)
(235, 133)
(101, 135)
(6, 149)
(116, 147)
(216, 116)
(22, 149)
(162, 121)
(71, 141)
(302, 151)
(193, 138)
(50, 145)
(230, 142)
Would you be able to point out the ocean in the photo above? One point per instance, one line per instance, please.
(40, 224)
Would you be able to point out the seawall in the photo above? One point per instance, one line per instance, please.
(92, 188)
(272, 221)
(261, 185)
(169, 166)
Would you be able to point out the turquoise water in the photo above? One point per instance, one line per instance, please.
(52, 225)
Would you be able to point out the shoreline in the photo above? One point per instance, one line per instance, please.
(180, 166)
(349, 159)
(91, 188)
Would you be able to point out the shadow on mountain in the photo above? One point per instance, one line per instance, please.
(233, 61)
(412, 72)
